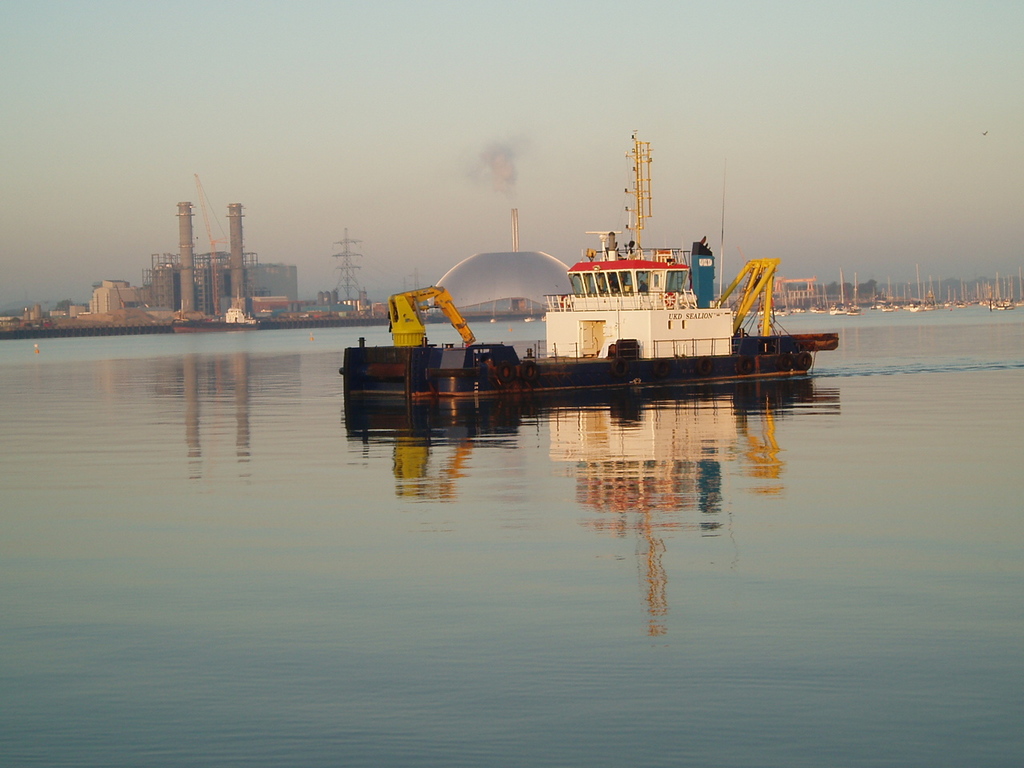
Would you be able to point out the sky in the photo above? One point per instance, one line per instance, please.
(879, 138)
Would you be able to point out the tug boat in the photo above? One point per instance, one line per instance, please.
(636, 317)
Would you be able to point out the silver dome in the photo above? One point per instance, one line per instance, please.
(512, 281)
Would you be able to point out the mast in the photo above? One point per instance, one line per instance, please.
(641, 188)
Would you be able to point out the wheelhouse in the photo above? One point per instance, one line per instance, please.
(643, 281)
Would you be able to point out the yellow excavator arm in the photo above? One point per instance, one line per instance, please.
(405, 311)
(760, 276)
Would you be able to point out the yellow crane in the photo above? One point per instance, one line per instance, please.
(405, 313)
(760, 277)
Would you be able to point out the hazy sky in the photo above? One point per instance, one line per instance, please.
(849, 135)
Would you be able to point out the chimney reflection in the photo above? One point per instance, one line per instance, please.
(208, 379)
(240, 369)
(190, 393)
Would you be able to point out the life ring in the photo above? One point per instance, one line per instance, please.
(704, 366)
(528, 371)
(784, 362)
(619, 368)
(661, 368)
(745, 365)
(670, 300)
(804, 361)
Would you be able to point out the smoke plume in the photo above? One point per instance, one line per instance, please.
(497, 165)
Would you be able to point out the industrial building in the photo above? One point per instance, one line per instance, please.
(112, 295)
(211, 283)
(206, 283)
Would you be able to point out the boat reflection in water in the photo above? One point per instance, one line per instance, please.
(648, 463)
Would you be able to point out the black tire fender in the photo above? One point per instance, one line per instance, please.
(504, 374)
(745, 365)
(619, 368)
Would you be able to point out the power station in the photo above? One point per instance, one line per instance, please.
(204, 284)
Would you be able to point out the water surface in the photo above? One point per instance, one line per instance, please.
(208, 559)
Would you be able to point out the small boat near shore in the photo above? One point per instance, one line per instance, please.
(636, 316)
(234, 320)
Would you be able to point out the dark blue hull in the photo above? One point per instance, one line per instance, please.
(495, 369)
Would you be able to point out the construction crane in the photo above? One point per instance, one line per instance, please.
(214, 272)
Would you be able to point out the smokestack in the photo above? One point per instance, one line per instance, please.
(188, 280)
(515, 230)
(235, 259)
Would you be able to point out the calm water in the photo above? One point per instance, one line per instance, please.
(206, 559)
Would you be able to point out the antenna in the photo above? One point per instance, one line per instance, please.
(721, 242)
(346, 269)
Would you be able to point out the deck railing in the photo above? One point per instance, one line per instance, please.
(691, 347)
(630, 301)
(662, 348)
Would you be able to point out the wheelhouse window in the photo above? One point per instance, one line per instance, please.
(626, 279)
(589, 281)
(613, 284)
(577, 284)
(643, 280)
(675, 280)
(602, 284)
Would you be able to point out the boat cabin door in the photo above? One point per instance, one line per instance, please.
(591, 337)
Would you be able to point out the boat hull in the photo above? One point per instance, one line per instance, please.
(203, 326)
(496, 370)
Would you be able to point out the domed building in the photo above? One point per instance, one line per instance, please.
(514, 282)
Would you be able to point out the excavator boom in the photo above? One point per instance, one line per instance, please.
(405, 312)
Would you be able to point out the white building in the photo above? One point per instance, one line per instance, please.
(111, 295)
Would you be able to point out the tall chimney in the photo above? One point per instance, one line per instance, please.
(515, 230)
(188, 280)
(235, 259)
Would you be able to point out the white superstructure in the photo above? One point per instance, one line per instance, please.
(644, 295)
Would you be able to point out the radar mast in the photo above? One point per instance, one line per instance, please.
(641, 209)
